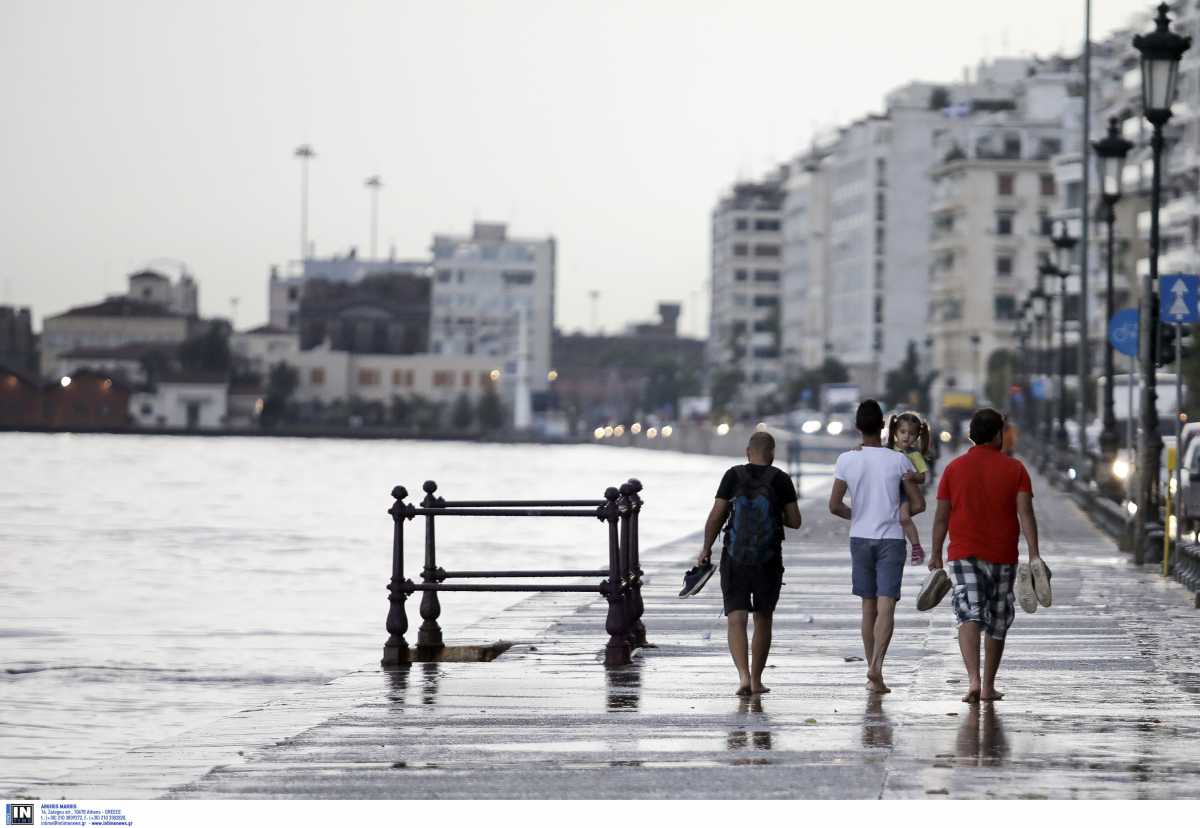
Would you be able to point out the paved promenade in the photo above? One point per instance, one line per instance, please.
(1103, 700)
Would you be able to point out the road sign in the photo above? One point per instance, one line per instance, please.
(1039, 388)
(1178, 294)
(1123, 331)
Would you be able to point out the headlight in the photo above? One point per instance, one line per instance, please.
(945, 435)
(1121, 469)
(834, 428)
(722, 429)
(811, 426)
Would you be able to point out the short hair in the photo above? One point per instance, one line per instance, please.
(869, 417)
(986, 423)
(762, 443)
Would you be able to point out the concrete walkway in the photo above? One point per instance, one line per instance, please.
(1103, 700)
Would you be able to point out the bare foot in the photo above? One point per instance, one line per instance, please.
(760, 688)
(743, 690)
(972, 696)
(875, 683)
(991, 694)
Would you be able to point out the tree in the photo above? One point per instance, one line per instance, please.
(464, 413)
(155, 363)
(281, 384)
(725, 388)
(207, 352)
(669, 380)
(829, 371)
(1001, 371)
(905, 385)
(492, 416)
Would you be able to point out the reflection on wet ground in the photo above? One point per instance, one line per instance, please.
(624, 687)
(877, 729)
(981, 739)
(751, 708)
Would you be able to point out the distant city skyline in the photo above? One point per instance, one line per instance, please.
(139, 131)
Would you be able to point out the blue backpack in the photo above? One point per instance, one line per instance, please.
(753, 530)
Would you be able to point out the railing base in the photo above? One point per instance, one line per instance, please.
(396, 656)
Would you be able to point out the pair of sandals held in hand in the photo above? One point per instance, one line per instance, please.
(1033, 586)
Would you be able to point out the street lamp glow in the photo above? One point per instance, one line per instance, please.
(1171, 526)
(495, 375)
(651, 433)
(1071, 473)
(608, 431)
(636, 428)
(722, 429)
(667, 431)
(1131, 507)
(811, 426)
(834, 428)
(1121, 469)
(598, 433)
(619, 431)
(1171, 486)
(552, 376)
(944, 436)
(761, 427)
(64, 382)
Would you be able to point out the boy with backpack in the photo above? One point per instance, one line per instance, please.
(758, 500)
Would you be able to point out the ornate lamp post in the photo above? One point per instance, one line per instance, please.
(1064, 247)
(1111, 151)
(1161, 51)
(1047, 271)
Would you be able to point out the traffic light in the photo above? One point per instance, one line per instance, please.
(1166, 343)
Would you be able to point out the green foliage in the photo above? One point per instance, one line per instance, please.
(905, 386)
(669, 380)
(1001, 373)
(492, 416)
(725, 388)
(207, 352)
(464, 413)
(831, 370)
(281, 384)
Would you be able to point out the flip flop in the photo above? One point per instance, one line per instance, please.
(933, 589)
(1025, 596)
(1041, 581)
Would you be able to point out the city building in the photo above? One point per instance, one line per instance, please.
(193, 401)
(805, 274)
(181, 297)
(994, 196)
(18, 345)
(113, 323)
(493, 296)
(258, 349)
(381, 313)
(745, 325)
(286, 289)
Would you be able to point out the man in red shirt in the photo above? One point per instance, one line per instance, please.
(985, 501)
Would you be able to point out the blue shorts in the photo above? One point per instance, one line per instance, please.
(878, 566)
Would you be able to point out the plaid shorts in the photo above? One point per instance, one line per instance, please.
(983, 593)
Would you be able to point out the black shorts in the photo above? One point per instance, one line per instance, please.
(751, 588)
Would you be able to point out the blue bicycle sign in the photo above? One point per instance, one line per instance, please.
(1123, 331)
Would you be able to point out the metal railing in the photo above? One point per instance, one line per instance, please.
(619, 509)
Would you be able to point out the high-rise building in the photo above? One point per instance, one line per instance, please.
(493, 296)
(805, 283)
(745, 322)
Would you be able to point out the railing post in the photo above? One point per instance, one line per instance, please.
(625, 509)
(395, 650)
(635, 564)
(430, 634)
(618, 651)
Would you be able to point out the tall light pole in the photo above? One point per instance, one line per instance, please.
(1111, 151)
(1046, 271)
(373, 184)
(1064, 247)
(305, 153)
(1085, 352)
(1161, 51)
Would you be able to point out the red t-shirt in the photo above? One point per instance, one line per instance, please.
(982, 487)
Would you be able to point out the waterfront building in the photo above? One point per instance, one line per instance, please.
(286, 288)
(804, 317)
(745, 325)
(994, 196)
(194, 401)
(258, 349)
(381, 313)
(113, 323)
(18, 345)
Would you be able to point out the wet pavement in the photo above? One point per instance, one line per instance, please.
(1102, 700)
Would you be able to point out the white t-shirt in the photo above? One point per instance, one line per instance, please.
(872, 476)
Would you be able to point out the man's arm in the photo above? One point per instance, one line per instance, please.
(837, 505)
(791, 515)
(712, 528)
(1028, 523)
(941, 525)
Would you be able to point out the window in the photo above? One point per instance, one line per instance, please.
(739, 224)
(880, 238)
(397, 377)
(1004, 223)
(443, 379)
(766, 301)
(466, 379)
(368, 376)
(293, 294)
(518, 277)
(740, 275)
(1045, 224)
(443, 276)
(740, 250)
(766, 224)
(766, 250)
(1005, 307)
(739, 300)
(1004, 266)
(1074, 194)
(766, 275)
(766, 353)
(1048, 187)
(316, 376)
(1004, 183)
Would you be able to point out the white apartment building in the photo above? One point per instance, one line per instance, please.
(745, 320)
(488, 286)
(263, 347)
(995, 193)
(805, 284)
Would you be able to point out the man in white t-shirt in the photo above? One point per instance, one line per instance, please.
(875, 478)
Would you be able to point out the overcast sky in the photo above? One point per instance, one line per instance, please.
(163, 128)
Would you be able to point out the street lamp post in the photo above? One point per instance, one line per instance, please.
(373, 184)
(1111, 151)
(305, 153)
(1047, 271)
(1038, 307)
(1161, 51)
(1064, 246)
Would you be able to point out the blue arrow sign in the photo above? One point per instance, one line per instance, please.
(1123, 331)
(1178, 294)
